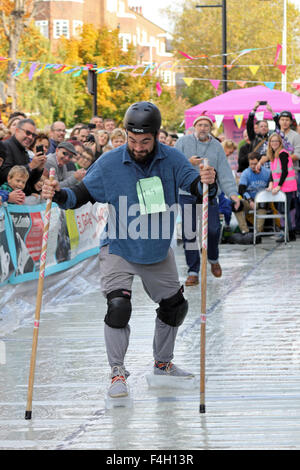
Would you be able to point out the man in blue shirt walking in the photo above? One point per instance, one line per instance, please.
(140, 182)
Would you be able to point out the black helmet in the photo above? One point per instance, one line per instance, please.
(142, 118)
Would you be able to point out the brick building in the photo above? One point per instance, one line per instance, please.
(56, 18)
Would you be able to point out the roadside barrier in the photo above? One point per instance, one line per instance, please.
(74, 235)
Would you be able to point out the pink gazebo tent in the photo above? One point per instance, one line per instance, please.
(240, 102)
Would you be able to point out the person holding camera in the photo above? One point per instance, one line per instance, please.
(259, 137)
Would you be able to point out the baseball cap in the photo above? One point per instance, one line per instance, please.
(67, 146)
(199, 118)
(286, 114)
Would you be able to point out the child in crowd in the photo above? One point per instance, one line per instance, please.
(107, 148)
(85, 159)
(35, 197)
(117, 138)
(12, 190)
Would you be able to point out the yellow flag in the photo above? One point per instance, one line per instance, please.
(254, 68)
(72, 228)
(40, 71)
(188, 80)
(239, 119)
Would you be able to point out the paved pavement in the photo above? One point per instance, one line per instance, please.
(252, 365)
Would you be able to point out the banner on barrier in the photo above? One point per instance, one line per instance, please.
(73, 236)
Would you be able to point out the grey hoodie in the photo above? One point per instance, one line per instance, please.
(191, 146)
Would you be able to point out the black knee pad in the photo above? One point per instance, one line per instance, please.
(118, 308)
(173, 310)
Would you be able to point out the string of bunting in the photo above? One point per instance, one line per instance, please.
(37, 68)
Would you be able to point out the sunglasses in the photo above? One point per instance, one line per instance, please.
(67, 154)
(28, 133)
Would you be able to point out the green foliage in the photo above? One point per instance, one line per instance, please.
(255, 24)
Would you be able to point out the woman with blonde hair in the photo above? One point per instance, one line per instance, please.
(283, 177)
(229, 146)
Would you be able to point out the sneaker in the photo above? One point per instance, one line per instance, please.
(118, 387)
(169, 369)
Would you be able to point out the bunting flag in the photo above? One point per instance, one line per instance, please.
(254, 69)
(158, 89)
(282, 68)
(295, 99)
(259, 115)
(215, 83)
(270, 85)
(219, 118)
(297, 117)
(31, 71)
(239, 119)
(187, 56)
(296, 85)
(188, 81)
(243, 52)
(279, 47)
(241, 83)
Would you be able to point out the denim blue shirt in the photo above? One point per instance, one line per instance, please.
(113, 178)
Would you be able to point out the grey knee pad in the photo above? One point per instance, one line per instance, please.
(118, 308)
(173, 310)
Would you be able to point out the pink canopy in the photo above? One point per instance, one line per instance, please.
(241, 102)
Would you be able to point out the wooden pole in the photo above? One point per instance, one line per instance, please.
(203, 293)
(38, 306)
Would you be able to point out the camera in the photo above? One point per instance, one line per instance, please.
(39, 149)
(90, 138)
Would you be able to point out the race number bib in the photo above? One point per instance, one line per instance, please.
(151, 195)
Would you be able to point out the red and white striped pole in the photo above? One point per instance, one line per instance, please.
(38, 306)
(203, 291)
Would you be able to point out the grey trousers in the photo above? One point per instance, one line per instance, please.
(160, 281)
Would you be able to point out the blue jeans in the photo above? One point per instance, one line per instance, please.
(190, 213)
(289, 198)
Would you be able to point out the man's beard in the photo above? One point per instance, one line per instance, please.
(142, 157)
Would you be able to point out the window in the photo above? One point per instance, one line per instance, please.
(61, 28)
(77, 27)
(43, 27)
(126, 39)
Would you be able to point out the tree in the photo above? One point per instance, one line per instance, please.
(254, 24)
(115, 90)
(15, 17)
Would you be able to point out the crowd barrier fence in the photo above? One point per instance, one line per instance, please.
(74, 235)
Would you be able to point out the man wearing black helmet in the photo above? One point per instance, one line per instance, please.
(140, 181)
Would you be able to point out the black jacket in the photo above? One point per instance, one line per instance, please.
(16, 154)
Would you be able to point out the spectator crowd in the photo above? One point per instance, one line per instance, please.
(266, 161)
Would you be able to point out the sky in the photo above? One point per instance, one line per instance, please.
(152, 10)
